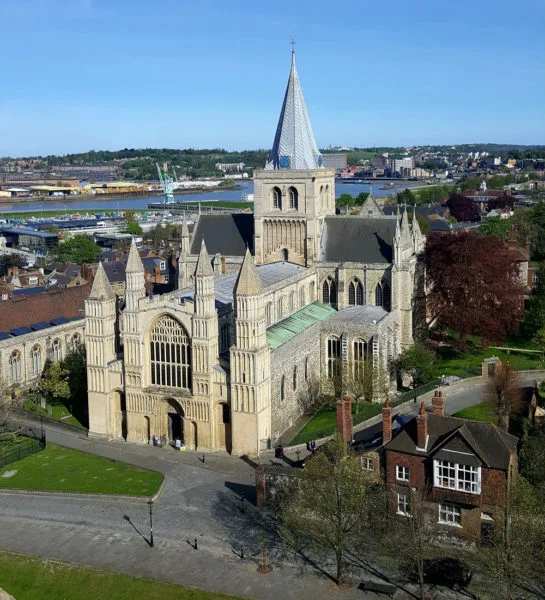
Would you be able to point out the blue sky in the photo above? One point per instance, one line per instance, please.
(107, 74)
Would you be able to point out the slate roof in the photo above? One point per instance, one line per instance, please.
(227, 234)
(359, 315)
(358, 239)
(287, 329)
(23, 311)
(492, 445)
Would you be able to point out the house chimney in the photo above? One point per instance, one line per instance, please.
(344, 418)
(422, 428)
(438, 403)
(386, 422)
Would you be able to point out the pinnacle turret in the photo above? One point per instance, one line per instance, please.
(134, 262)
(248, 282)
(204, 268)
(101, 290)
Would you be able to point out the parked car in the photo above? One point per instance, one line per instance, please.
(449, 572)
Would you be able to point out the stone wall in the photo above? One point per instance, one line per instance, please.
(271, 481)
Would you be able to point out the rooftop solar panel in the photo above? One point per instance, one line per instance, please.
(20, 330)
(40, 326)
(4, 335)
(59, 321)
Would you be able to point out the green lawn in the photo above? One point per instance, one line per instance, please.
(29, 578)
(58, 469)
(478, 412)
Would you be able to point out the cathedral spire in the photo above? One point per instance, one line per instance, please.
(134, 262)
(204, 269)
(248, 282)
(101, 290)
(294, 145)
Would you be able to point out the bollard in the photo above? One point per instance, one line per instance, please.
(196, 544)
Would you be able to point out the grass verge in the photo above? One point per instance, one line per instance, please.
(59, 412)
(478, 412)
(58, 469)
(28, 578)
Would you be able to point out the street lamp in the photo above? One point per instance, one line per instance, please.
(150, 504)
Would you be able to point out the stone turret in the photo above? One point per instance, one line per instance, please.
(182, 266)
(417, 237)
(100, 326)
(250, 364)
(135, 279)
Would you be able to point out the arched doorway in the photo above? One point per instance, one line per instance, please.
(147, 430)
(175, 416)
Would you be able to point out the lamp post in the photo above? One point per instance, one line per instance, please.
(150, 504)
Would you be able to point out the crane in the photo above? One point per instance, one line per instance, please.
(167, 184)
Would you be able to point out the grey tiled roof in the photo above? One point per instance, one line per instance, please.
(358, 239)
(359, 315)
(491, 444)
(227, 234)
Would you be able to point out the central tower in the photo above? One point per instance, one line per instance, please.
(293, 193)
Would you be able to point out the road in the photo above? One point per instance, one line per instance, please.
(199, 500)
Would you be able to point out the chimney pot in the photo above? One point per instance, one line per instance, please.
(386, 422)
(438, 403)
(344, 418)
(422, 428)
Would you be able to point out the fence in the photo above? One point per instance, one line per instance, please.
(28, 440)
(28, 415)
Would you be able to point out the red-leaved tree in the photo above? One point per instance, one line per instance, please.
(474, 285)
(463, 208)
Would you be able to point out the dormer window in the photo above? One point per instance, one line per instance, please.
(454, 476)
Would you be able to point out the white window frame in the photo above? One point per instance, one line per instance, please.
(367, 463)
(403, 473)
(450, 514)
(456, 478)
(404, 505)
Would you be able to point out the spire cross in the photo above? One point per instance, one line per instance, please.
(292, 45)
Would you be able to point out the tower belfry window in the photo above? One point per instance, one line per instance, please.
(276, 194)
(293, 195)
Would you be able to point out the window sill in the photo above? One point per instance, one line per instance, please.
(450, 524)
(403, 514)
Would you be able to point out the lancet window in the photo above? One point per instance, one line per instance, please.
(14, 373)
(355, 293)
(329, 292)
(276, 197)
(36, 360)
(293, 196)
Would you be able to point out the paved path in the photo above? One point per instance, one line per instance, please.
(199, 500)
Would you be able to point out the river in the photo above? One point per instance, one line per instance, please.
(72, 205)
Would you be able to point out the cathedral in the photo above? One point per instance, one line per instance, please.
(267, 306)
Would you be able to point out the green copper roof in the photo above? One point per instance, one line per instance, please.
(288, 328)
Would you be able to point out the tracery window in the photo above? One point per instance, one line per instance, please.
(333, 357)
(293, 196)
(276, 197)
(329, 292)
(170, 354)
(14, 372)
(355, 293)
(36, 360)
(57, 350)
(360, 356)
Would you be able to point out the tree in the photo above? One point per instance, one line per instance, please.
(12, 260)
(345, 201)
(76, 365)
(513, 554)
(473, 284)
(54, 381)
(534, 318)
(131, 224)
(504, 392)
(424, 224)
(79, 250)
(497, 227)
(325, 510)
(417, 361)
(532, 456)
(361, 198)
(409, 535)
(463, 208)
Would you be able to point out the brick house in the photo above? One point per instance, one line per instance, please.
(459, 468)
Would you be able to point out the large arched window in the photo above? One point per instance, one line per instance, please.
(36, 360)
(276, 195)
(359, 358)
(170, 354)
(355, 293)
(293, 196)
(378, 295)
(57, 350)
(329, 292)
(333, 357)
(75, 342)
(14, 372)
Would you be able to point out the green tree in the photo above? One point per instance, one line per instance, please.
(424, 224)
(532, 456)
(361, 198)
(325, 511)
(76, 365)
(534, 318)
(417, 361)
(79, 249)
(496, 226)
(54, 382)
(12, 260)
(345, 201)
(131, 224)
(513, 554)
